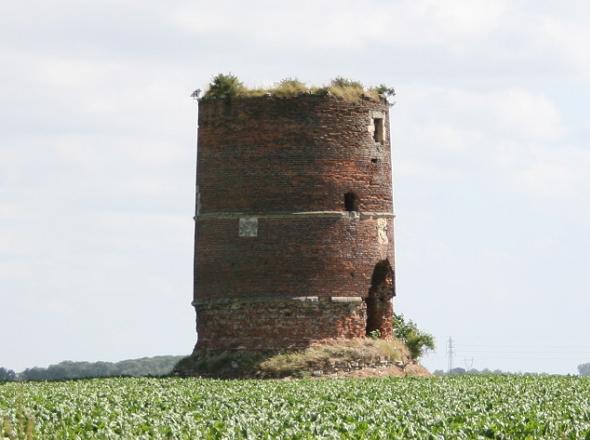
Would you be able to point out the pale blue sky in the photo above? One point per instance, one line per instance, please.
(97, 162)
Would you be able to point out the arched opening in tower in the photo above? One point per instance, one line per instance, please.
(351, 202)
(379, 307)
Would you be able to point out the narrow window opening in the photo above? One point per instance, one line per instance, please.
(379, 307)
(378, 130)
(351, 202)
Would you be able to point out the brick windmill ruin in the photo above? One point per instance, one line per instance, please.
(294, 220)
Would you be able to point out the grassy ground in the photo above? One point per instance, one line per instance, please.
(499, 407)
(335, 354)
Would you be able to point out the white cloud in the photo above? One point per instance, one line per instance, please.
(345, 24)
(568, 43)
(513, 138)
(558, 173)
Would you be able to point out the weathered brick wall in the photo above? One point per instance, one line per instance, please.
(307, 256)
(271, 223)
(267, 324)
(294, 154)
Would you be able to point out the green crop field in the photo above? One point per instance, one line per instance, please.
(468, 407)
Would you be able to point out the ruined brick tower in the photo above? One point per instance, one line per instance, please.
(294, 221)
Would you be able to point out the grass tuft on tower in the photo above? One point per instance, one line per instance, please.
(228, 86)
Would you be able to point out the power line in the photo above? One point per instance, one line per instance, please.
(468, 363)
(450, 352)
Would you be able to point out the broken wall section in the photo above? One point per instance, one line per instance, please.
(379, 305)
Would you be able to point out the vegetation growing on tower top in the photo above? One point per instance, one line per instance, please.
(229, 86)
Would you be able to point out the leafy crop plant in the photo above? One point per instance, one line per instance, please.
(464, 407)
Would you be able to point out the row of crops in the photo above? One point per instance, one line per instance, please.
(467, 407)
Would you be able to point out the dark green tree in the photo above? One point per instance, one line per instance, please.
(7, 375)
(224, 86)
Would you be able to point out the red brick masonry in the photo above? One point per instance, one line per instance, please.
(272, 225)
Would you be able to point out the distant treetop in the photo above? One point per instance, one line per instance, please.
(229, 86)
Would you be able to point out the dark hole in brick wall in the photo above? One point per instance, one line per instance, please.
(378, 133)
(227, 108)
(379, 307)
(374, 160)
(351, 202)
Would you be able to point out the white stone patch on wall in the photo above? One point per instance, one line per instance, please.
(248, 227)
(382, 231)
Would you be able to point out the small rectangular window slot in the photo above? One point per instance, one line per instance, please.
(378, 130)
(351, 202)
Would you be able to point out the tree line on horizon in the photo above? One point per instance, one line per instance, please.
(583, 370)
(147, 366)
(458, 371)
